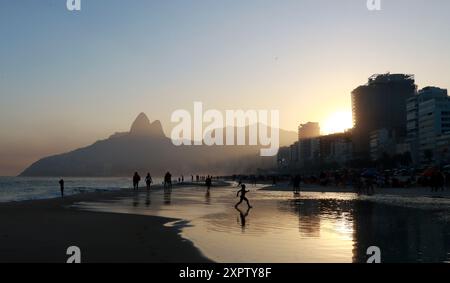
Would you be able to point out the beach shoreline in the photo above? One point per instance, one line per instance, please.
(405, 192)
(42, 230)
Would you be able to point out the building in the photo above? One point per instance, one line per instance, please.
(382, 142)
(443, 150)
(322, 151)
(336, 148)
(304, 152)
(308, 130)
(284, 157)
(428, 122)
(309, 151)
(294, 153)
(380, 104)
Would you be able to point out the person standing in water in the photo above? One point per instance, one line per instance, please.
(208, 183)
(242, 193)
(148, 181)
(168, 181)
(61, 186)
(136, 180)
(296, 182)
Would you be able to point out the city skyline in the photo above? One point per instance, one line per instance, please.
(71, 78)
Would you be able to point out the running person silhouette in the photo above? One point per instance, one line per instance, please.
(242, 192)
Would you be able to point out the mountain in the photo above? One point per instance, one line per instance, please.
(142, 127)
(145, 148)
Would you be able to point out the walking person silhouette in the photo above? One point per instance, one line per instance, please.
(296, 182)
(61, 186)
(208, 183)
(168, 181)
(148, 181)
(136, 180)
(242, 193)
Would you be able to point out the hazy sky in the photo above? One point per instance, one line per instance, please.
(70, 78)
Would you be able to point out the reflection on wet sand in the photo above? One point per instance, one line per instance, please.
(309, 217)
(167, 196)
(403, 234)
(148, 199)
(242, 216)
(136, 200)
(208, 197)
(311, 227)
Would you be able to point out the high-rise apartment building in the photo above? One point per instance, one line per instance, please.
(380, 104)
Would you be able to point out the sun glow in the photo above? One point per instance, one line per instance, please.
(337, 122)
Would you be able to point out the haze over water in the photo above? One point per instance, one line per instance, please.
(30, 188)
(58, 68)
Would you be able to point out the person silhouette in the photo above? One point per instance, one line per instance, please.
(296, 182)
(208, 183)
(148, 181)
(136, 180)
(242, 193)
(168, 181)
(61, 186)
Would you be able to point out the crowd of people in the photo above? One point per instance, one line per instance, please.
(168, 180)
(363, 181)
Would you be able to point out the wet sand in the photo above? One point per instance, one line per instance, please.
(42, 230)
(407, 192)
(126, 226)
(311, 227)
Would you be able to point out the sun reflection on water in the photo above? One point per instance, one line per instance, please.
(312, 227)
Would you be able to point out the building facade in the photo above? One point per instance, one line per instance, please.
(428, 121)
(308, 130)
(336, 148)
(380, 104)
(310, 153)
(382, 142)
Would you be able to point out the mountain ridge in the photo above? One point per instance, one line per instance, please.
(146, 148)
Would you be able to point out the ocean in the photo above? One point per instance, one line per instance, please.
(31, 188)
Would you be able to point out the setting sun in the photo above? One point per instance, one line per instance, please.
(337, 122)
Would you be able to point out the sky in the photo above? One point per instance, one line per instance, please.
(68, 78)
